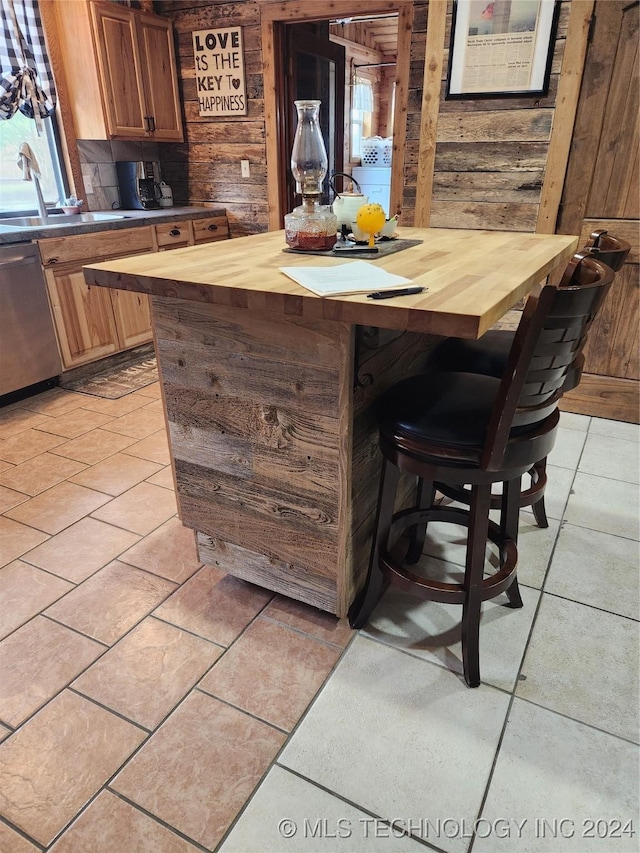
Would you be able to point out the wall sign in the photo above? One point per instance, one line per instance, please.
(220, 78)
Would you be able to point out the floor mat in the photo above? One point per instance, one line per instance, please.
(117, 381)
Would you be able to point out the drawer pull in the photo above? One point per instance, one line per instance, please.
(175, 232)
(212, 227)
(152, 124)
(53, 260)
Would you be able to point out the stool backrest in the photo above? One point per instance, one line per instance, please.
(607, 248)
(549, 337)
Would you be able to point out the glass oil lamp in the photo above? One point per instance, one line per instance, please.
(310, 226)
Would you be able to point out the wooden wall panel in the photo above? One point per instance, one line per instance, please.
(495, 137)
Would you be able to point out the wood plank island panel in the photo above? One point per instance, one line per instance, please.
(267, 465)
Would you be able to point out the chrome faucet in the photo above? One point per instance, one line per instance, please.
(42, 208)
(30, 169)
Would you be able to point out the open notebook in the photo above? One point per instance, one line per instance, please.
(344, 279)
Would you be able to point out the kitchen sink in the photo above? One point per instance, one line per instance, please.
(55, 220)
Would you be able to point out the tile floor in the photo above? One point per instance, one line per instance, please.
(149, 704)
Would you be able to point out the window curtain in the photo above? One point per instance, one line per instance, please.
(26, 81)
(362, 98)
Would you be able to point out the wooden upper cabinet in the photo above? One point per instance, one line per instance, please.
(120, 71)
(160, 78)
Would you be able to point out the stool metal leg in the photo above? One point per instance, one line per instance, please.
(368, 597)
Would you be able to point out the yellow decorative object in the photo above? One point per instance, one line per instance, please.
(370, 218)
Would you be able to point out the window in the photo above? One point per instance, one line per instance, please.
(360, 128)
(15, 193)
(26, 83)
(361, 114)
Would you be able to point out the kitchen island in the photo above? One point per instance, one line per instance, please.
(269, 391)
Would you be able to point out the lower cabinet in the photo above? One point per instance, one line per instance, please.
(83, 317)
(94, 322)
(132, 313)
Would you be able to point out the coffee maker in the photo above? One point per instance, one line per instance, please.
(139, 184)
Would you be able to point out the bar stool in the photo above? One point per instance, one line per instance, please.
(489, 355)
(463, 428)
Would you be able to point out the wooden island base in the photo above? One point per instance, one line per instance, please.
(274, 440)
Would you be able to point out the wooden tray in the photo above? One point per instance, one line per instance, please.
(385, 247)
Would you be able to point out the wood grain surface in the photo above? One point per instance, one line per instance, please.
(471, 278)
(273, 436)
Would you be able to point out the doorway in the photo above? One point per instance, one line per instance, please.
(276, 17)
(313, 68)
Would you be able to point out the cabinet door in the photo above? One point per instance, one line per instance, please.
(121, 71)
(160, 79)
(83, 316)
(133, 317)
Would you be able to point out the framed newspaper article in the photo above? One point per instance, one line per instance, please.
(501, 48)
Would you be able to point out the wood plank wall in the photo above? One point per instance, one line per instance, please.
(490, 154)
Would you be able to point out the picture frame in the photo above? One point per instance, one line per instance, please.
(501, 48)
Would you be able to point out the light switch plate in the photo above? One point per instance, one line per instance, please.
(244, 169)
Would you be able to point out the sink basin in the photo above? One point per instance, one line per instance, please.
(55, 220)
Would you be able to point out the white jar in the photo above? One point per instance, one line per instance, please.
(166, 195)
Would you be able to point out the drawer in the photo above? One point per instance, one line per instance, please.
(210, 228)
(173, 234)
(98, 244)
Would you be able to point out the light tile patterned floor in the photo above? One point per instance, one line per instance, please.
(151, 704)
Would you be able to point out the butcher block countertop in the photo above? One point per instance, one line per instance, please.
(472, 278)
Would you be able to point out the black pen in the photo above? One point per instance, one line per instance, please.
(389, 294)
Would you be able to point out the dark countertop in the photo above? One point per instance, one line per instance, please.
(132, 219)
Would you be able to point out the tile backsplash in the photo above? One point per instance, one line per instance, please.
(98, 159)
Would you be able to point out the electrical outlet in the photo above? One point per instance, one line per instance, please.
(88, 186)
(244, 169)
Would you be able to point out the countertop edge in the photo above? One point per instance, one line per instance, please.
(132, 219)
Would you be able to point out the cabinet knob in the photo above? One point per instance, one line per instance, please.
(212, 227)
(175, 232)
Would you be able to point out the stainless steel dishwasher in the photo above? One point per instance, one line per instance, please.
(28, 346)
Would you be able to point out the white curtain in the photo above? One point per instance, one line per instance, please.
(362, 97)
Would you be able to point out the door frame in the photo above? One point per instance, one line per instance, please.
(287, 97)
(274, 13)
